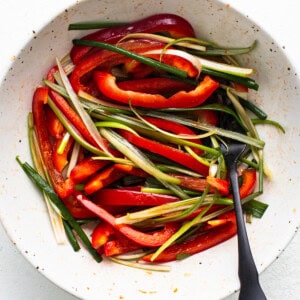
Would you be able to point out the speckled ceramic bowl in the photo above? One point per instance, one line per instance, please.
(209, 275)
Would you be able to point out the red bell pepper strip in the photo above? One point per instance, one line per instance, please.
(175, 25)
(101, 234)
(60, 160)
(221, 185)
(54, 125)
(129, 197)
(169, 152)
(105, 60)
(72, 116)
(77, 210)
(62, 187)
(155, 85)
(168, 59)
(200, 242)
(119, 246)
(107, 85)
(85, 168)
(207, 116)
(149, 239)
(200, 184)
(248, 183)
(131, 170)
(175, 128)
(102, 179)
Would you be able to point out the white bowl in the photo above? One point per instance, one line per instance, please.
(211, 274)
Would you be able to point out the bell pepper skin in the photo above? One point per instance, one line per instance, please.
(200, 184)
(169, 152)
(60, 160)
(102, 179)
(155, 85)
(119, 246)
(62, 187)
(131, 170)
(175, 25)
(105, 60)
(107, 85)
(200, 242)
(249, 182)
(175, 128)
(72, 116)
(129, 197)
(85, 168)
(149, 239)
(101, 234)
(54, 125)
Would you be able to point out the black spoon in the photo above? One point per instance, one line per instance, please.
(250, 288)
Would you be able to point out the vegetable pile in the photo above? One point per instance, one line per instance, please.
(125, 135)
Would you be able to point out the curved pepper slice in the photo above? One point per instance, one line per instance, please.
(154, 85)
(248, 183)
(129, 197)
(149, 239)
(176, 128)
(85, 168)
(106, 59)
(200, 242)
(62, 187)
(169, 152)
(175, 25)
(107, 85)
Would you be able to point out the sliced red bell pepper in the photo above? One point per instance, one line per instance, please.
(54, 125)
(200, 184)
(207, 116)
(199, 242)
(119, 246)
(101, 234)
(63, 187)
(155, 85)
(221, 185)
(175, 25)
(60, 160)
(103, 179)
(72, 116)
(77, 210)
(131, 170)
(129, 197)
(248, 183)
(169, 152)
(176, 128)
(105, 60)
(149, 239)
(85, 168)
(106, 84)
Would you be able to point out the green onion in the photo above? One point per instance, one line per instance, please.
(248, 82)
(255, 208)
(269, 122)
(56, 201)
(254, 108)
(71, 237)
(145, 60)
(135, 155)
(143, 266)
(184, 228)
(186, 42)
(94, 25)
(205, 127)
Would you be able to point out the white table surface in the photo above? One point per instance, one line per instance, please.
(18, 278)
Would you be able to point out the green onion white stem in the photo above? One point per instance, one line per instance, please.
(82, 113)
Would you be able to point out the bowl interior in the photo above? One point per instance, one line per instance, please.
(23, 212)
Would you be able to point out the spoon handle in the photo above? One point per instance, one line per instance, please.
(250, 287)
